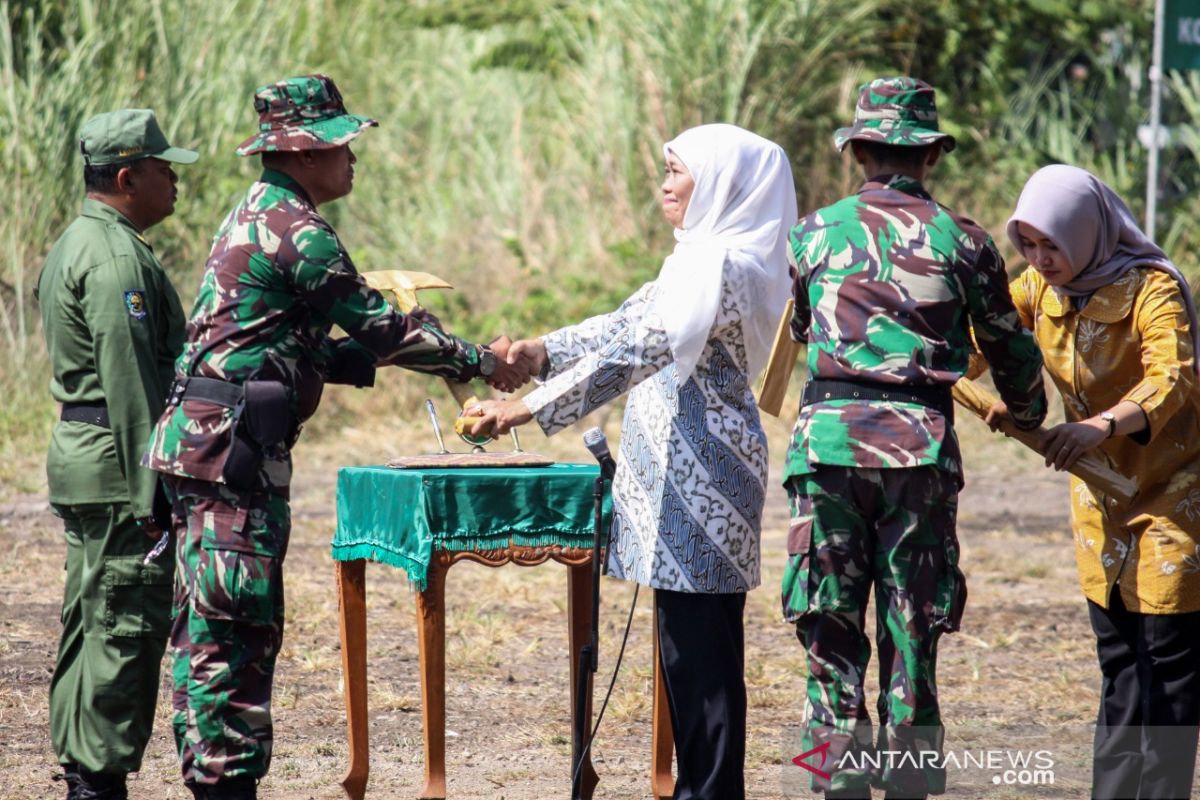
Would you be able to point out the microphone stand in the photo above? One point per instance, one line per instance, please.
(589, 654)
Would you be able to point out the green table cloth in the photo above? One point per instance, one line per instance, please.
(401, 516)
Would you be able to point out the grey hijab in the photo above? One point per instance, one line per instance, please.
(1094, 228)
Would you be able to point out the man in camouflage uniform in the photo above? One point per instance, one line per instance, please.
(888, 284)
(113, 327)
(258, 353)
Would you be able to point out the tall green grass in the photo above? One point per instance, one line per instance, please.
(533, 189)
(60, 63)
(518, 151)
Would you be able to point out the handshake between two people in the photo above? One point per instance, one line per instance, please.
(516, 363)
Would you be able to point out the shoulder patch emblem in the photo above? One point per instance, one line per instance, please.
(135, 301)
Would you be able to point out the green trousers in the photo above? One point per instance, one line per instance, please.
(115, 617)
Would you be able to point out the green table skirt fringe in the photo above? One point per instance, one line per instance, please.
(415, 571)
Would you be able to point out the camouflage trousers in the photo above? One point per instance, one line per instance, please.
(228, 626)
(891, 529)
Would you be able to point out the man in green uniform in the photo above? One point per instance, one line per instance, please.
(889, 287)
(259, 352)
(113, 326)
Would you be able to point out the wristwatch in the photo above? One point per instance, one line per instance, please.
(1111, 419)
(487, 362)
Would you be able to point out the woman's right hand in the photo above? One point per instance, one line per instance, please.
(997, 417)
(531, 351)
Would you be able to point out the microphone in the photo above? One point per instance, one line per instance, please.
(597, 445)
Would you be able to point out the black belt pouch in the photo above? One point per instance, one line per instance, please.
(261, 421)
(266, 416)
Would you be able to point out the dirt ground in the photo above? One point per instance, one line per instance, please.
(1023, 658)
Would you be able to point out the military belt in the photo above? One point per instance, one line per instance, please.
(937, 397)
(91, 413)
(222, 393)
(263, 411)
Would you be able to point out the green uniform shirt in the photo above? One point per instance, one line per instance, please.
(889, 285)
(114, 327)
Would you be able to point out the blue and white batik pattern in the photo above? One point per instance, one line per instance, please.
(692, 471)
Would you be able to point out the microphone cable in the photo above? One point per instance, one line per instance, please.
(587, 747)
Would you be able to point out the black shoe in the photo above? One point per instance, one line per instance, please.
(242, 787)
(861, 793)
(100, 786)
(70, 776)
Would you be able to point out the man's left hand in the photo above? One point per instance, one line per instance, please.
(150, 527)
(425, 317)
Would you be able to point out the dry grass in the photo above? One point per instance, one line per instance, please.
(1025, 653)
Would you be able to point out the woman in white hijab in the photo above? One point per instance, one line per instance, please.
(691, 476)
(1117, 326)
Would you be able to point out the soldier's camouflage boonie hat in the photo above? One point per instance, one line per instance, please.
(897, 111)
(304, 113)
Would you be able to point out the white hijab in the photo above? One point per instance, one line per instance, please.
(741, 209)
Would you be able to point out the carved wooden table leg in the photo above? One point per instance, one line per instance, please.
(431, 636)
(352, 607)
(662, 745)
(579, 614)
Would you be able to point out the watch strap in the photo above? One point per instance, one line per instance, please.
(1111, 419)
(487, 361)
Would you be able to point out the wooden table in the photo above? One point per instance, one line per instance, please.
(431, 635)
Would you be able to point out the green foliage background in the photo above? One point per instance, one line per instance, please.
(519, 147)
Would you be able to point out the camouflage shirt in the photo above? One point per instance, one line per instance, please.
(886, 282)
(276, 282)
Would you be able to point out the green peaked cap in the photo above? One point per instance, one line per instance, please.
(117, 137)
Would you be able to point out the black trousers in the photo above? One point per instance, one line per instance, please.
(1146, 731)
(700, 639)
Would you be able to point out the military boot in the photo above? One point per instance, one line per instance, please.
(100, 786)
(860, 793)
(70, 776)
(242, 787)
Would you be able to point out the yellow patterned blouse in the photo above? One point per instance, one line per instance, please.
(1130, 342)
